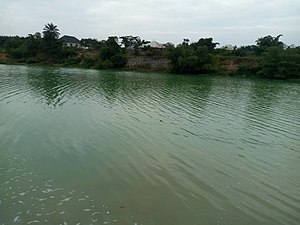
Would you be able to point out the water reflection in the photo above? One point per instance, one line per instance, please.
(57, 86)
(263, 96)
(109, 84)
(47, 83)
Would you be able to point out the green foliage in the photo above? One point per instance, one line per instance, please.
(92, 44)
(280, 63)
(23, 48)
(3, 40)
(106, 64)
(132, 44)
(16, 48)
(69, 56)
(248, 50)
(268, 41)
(53, 50)
(88, 62)
(269, 58)
(205, 42)
(194, 58)
(131, 41)
(68, 52)
(111, 54)
(107, 52)
(34, 44)
(118, 60)
(34, 49)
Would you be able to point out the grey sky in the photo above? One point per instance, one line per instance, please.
(238, 22)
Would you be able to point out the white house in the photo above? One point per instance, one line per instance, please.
(70, 41)
(154, 44)
(228, 47)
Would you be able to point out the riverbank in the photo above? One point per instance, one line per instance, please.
(155, 63)
(247, 66)
(269, 58)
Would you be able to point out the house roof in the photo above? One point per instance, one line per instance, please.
(70, 39)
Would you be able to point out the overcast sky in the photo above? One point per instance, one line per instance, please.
(238, 22)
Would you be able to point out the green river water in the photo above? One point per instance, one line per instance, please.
(105, 147)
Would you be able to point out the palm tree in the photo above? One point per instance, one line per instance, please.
(50, 32)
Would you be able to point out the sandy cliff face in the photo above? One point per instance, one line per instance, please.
(148, 62)
(239, 64)
(159, 63)
(230, 65)
(2, 56)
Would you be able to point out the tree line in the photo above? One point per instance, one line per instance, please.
(269, 57)
(46, 48)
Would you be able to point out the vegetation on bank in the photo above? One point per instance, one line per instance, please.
(269, 57)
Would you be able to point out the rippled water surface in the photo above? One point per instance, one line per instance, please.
(102, 147)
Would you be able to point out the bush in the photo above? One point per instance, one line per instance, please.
(107, 64)
(118, 61)
(280, 63)
(190, 59)
(88, 62)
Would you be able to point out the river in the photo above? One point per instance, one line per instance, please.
(115, 147)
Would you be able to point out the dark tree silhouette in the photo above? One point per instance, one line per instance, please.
(268, 41)
(51, 32)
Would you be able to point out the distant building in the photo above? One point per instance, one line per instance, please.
(154, 44)
(70, 41)
(229, 47)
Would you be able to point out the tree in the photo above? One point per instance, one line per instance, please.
(112, 40)
(247, 50)
(268, 41)
(16, 47)
(111, 54)
(193, 58)
(125, 41)
(34, 44)
(51, 32)
(280, 63)
(131, 41)
(207, 42)
(51, 46)
(186, 41)
(92, 44)
(3, 39)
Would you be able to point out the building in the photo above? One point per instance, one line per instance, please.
(154, 44)
(229, 47)
(70, 41)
